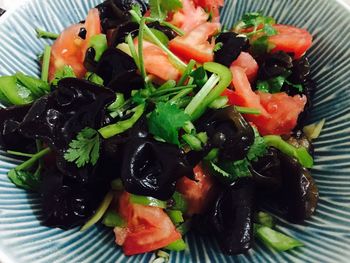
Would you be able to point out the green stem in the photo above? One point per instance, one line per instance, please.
(180, 95)
(165, 91)
(197, 101)
(187, 72)
(140, 49)
(133, 51)
(177, 62)
(46, 64)
(179, 31)
(122, 126)
(245, 110)
(29, 163)
(45, 34)
(101, 210)
(20, 154)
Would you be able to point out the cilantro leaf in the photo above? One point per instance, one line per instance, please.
(274, 85)
(160, 8)
(24, 179)
(165, 122)
(231, 171)
(85, 148)
(258, 148)
(218, 46)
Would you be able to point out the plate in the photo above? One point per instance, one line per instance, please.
(326, 235)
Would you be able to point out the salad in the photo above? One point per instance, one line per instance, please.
(156, 120)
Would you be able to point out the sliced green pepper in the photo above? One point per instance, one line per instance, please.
(274, 239)
(179, 202)
(175, 216)
(113, 219)
(122, 126)
(301, 153)
(177, 245)
(15, 94)
(99, 44)
(147, 201)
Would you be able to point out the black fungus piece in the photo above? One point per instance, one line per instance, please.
(230, 219)
(66, 203)
(117, 69)
(151, 168)
(266, 172)
(115, 12)
(275, 64)
(171, 34)
(10, 120)
(57, 117)
(121, 31)
(300, 71)
(82, 33)
(232, 45)
(228, 131)
(299, 193)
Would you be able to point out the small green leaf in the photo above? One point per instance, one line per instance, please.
(64, 72)
(166, 120)
(24, 179)
(85, 148)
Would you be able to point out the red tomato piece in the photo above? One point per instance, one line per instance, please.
(69, 49)
(279, 112)
(157, 62)
(148, 228)
(198, 194)
(195, 45)
(189, 16)
(211, 5)
(284, 111)
(291, 40)
(249, 64)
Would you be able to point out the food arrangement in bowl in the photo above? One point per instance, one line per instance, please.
(155, 120)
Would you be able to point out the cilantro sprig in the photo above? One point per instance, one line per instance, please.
(166, 121)
(85, 148)
(160, 8)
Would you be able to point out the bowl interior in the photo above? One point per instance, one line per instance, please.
(326, 236)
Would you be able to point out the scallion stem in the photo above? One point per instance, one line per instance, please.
(180, 95)
(245, 110)
(187, 72)
(140, 49)
(177, 62)
(101, 210)
(45, 34)
(202, 94)
(133, 51)
(46, 64)
(166, 91)
(29, 163)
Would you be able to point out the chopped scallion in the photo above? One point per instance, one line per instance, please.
(46, 63)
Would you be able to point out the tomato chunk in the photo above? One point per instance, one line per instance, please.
(279, 112)
(198, 194)
(69, 49)
(148, 228)
(157, 62)
(249, 64)
(189, 16)
(291, 39)
(195, 45)
(211, 5)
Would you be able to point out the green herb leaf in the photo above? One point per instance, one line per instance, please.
(166, 120)
(218, 46)
(160, 8)
(85, 148)
(231, 171)
(258, 148)
(24, 179)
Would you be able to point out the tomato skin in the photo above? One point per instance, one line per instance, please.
(291, 40)
(157, 62)
(249, 64)
(148, 228)
(197, 194)
(69, 49)
(195, 45)
(279, 112)
(189, 16)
